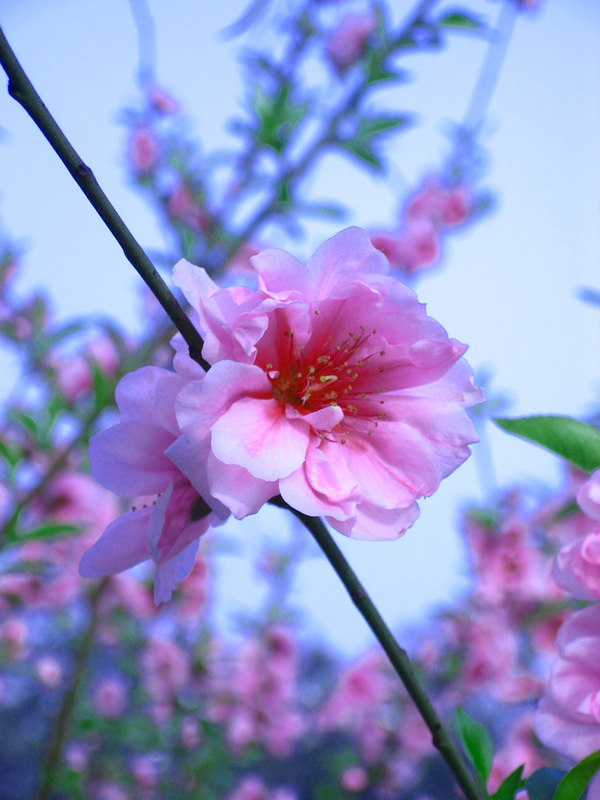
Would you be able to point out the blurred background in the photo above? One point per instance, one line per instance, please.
(509, 283)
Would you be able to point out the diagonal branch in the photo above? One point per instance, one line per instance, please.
(398, 657)
(21, 89)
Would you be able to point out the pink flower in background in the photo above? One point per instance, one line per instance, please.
(361, 690)
(441, 205)
(588, 496)
(330, 385)
(162, 101)
(49, 671)
(129, 459)
(347, 42)
(184, 206)
(143, 150)
(354, 779)
(568, 716)
(434, 208)
(109, 697)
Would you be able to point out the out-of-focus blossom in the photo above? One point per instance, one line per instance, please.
(577, 567)
(162, 101)
(330, 385)
(143, 150)
(13, 635)
(362, 688)
(49, 671)
(183, 206)
(588, 496)
(129, 460)
(347, 42)
(110, 697)
(519, 748)
(568, 716)
(255, 698)
(354, 779)
(144, 771)
(427, 216)
(166, 669)
(190, 733)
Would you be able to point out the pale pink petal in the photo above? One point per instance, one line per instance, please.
(322, 420)
(129, 458)
(588, 497)
(380, 524)
(173, 571)
(238, 490)
(201, 403)
(300, 494)
(136, 393)
(281, 274)
(556, 729)
(256, 434)
(122, 545)
(347, 255)
(191, 459)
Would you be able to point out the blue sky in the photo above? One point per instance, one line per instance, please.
(508, 287)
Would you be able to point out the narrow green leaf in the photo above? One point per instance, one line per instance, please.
(363, 152)
(575, 781)
(381, 124)
(476, 743)
(570, 439)
(25, 420)
(542, 783)
(45, 532)
(461, 21)
(510, 786)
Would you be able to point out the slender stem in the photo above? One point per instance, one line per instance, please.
(21, 89)
(490, 70)
(63, 720)
(293, 172)
(397, 656)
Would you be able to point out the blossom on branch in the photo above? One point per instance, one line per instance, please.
(129, 460)
(330, 385)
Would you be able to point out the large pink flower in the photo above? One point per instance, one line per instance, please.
(129, 460)
(568, 716)
(330, 385)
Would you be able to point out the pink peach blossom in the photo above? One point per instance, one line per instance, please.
(414, 248)
(330, 385)
(49, 671)
(354, 779)
(588, 496)
(577, 567)
(161, 101)
(129, 459)
(568, 716)
(109, 697)
(347, 42)
(143, 150)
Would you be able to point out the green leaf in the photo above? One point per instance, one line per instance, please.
(461, 21)
(25, 420)
(362, 151)
(570, 439)
(45, 532)
(575, 781)
(510, 786)
(476, 744)
(542, 783)
(368, 127)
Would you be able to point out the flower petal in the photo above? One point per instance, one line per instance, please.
(122, 545)
(256, 434)
(129, 458)
(346, 255)
(238, 490)
(173, 571)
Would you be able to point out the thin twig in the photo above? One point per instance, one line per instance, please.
(397, 656)
(63, 719)
(21, 89)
